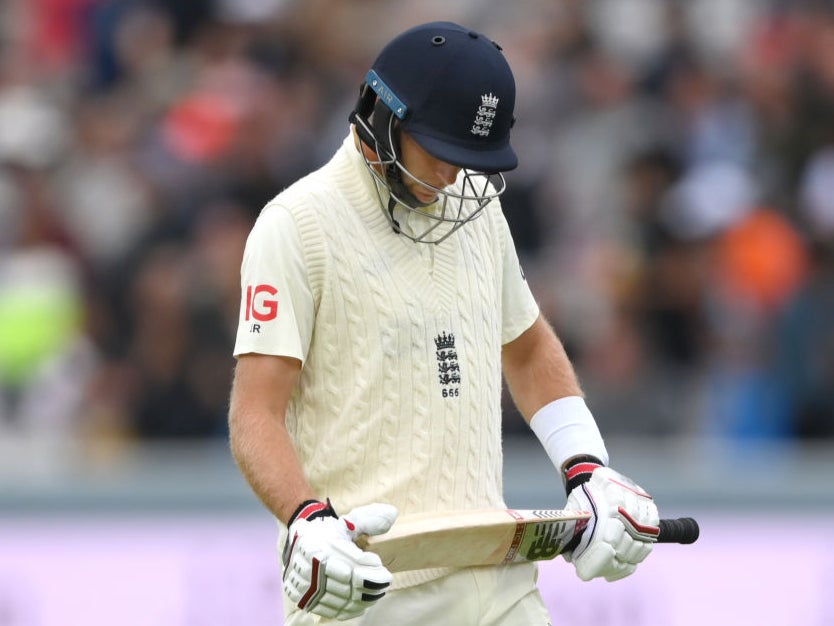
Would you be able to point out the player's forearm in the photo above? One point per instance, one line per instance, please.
(258, 436)
(537, 369)
(265, 455)
(546, 391)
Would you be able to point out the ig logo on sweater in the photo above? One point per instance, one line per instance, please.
(261, 305)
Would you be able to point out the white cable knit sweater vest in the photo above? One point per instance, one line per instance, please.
(399, 398)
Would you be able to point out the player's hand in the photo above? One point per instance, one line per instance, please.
(324, 571)
(622, 530)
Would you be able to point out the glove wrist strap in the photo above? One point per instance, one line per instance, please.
(312, 509)
(579, 469)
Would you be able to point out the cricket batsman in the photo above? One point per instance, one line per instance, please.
(382, 305)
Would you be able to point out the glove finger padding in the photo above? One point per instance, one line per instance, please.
(600, 560)
(623, 528)
(370, 519)
(326, 573)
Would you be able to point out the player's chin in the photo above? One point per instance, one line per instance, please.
(424, 196)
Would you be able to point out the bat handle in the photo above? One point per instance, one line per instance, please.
(680, 530)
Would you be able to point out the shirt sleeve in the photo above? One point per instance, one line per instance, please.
(519, 306)
(276, 306)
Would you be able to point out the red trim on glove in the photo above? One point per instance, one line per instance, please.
(313, 507)
(579, 471)
(653, 531)
(314, 585)
(632, 488)
(581, 468)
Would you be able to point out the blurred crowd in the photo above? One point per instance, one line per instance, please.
(674, 206)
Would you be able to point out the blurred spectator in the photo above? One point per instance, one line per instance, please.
(804, 364)
(45, 359)
(804, 361)
(760, 263)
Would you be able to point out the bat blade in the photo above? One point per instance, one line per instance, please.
(475, 537)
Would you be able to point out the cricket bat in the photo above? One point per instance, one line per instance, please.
(491, 537)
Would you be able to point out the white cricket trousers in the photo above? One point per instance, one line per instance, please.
(483, 596)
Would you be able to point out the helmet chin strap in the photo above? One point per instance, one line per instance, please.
(395, 224)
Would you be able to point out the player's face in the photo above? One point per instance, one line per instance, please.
(426, 168)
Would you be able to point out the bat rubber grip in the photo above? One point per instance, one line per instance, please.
(680, 530)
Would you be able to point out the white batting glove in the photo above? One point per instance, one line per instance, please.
(624, 525)
(324, 571)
